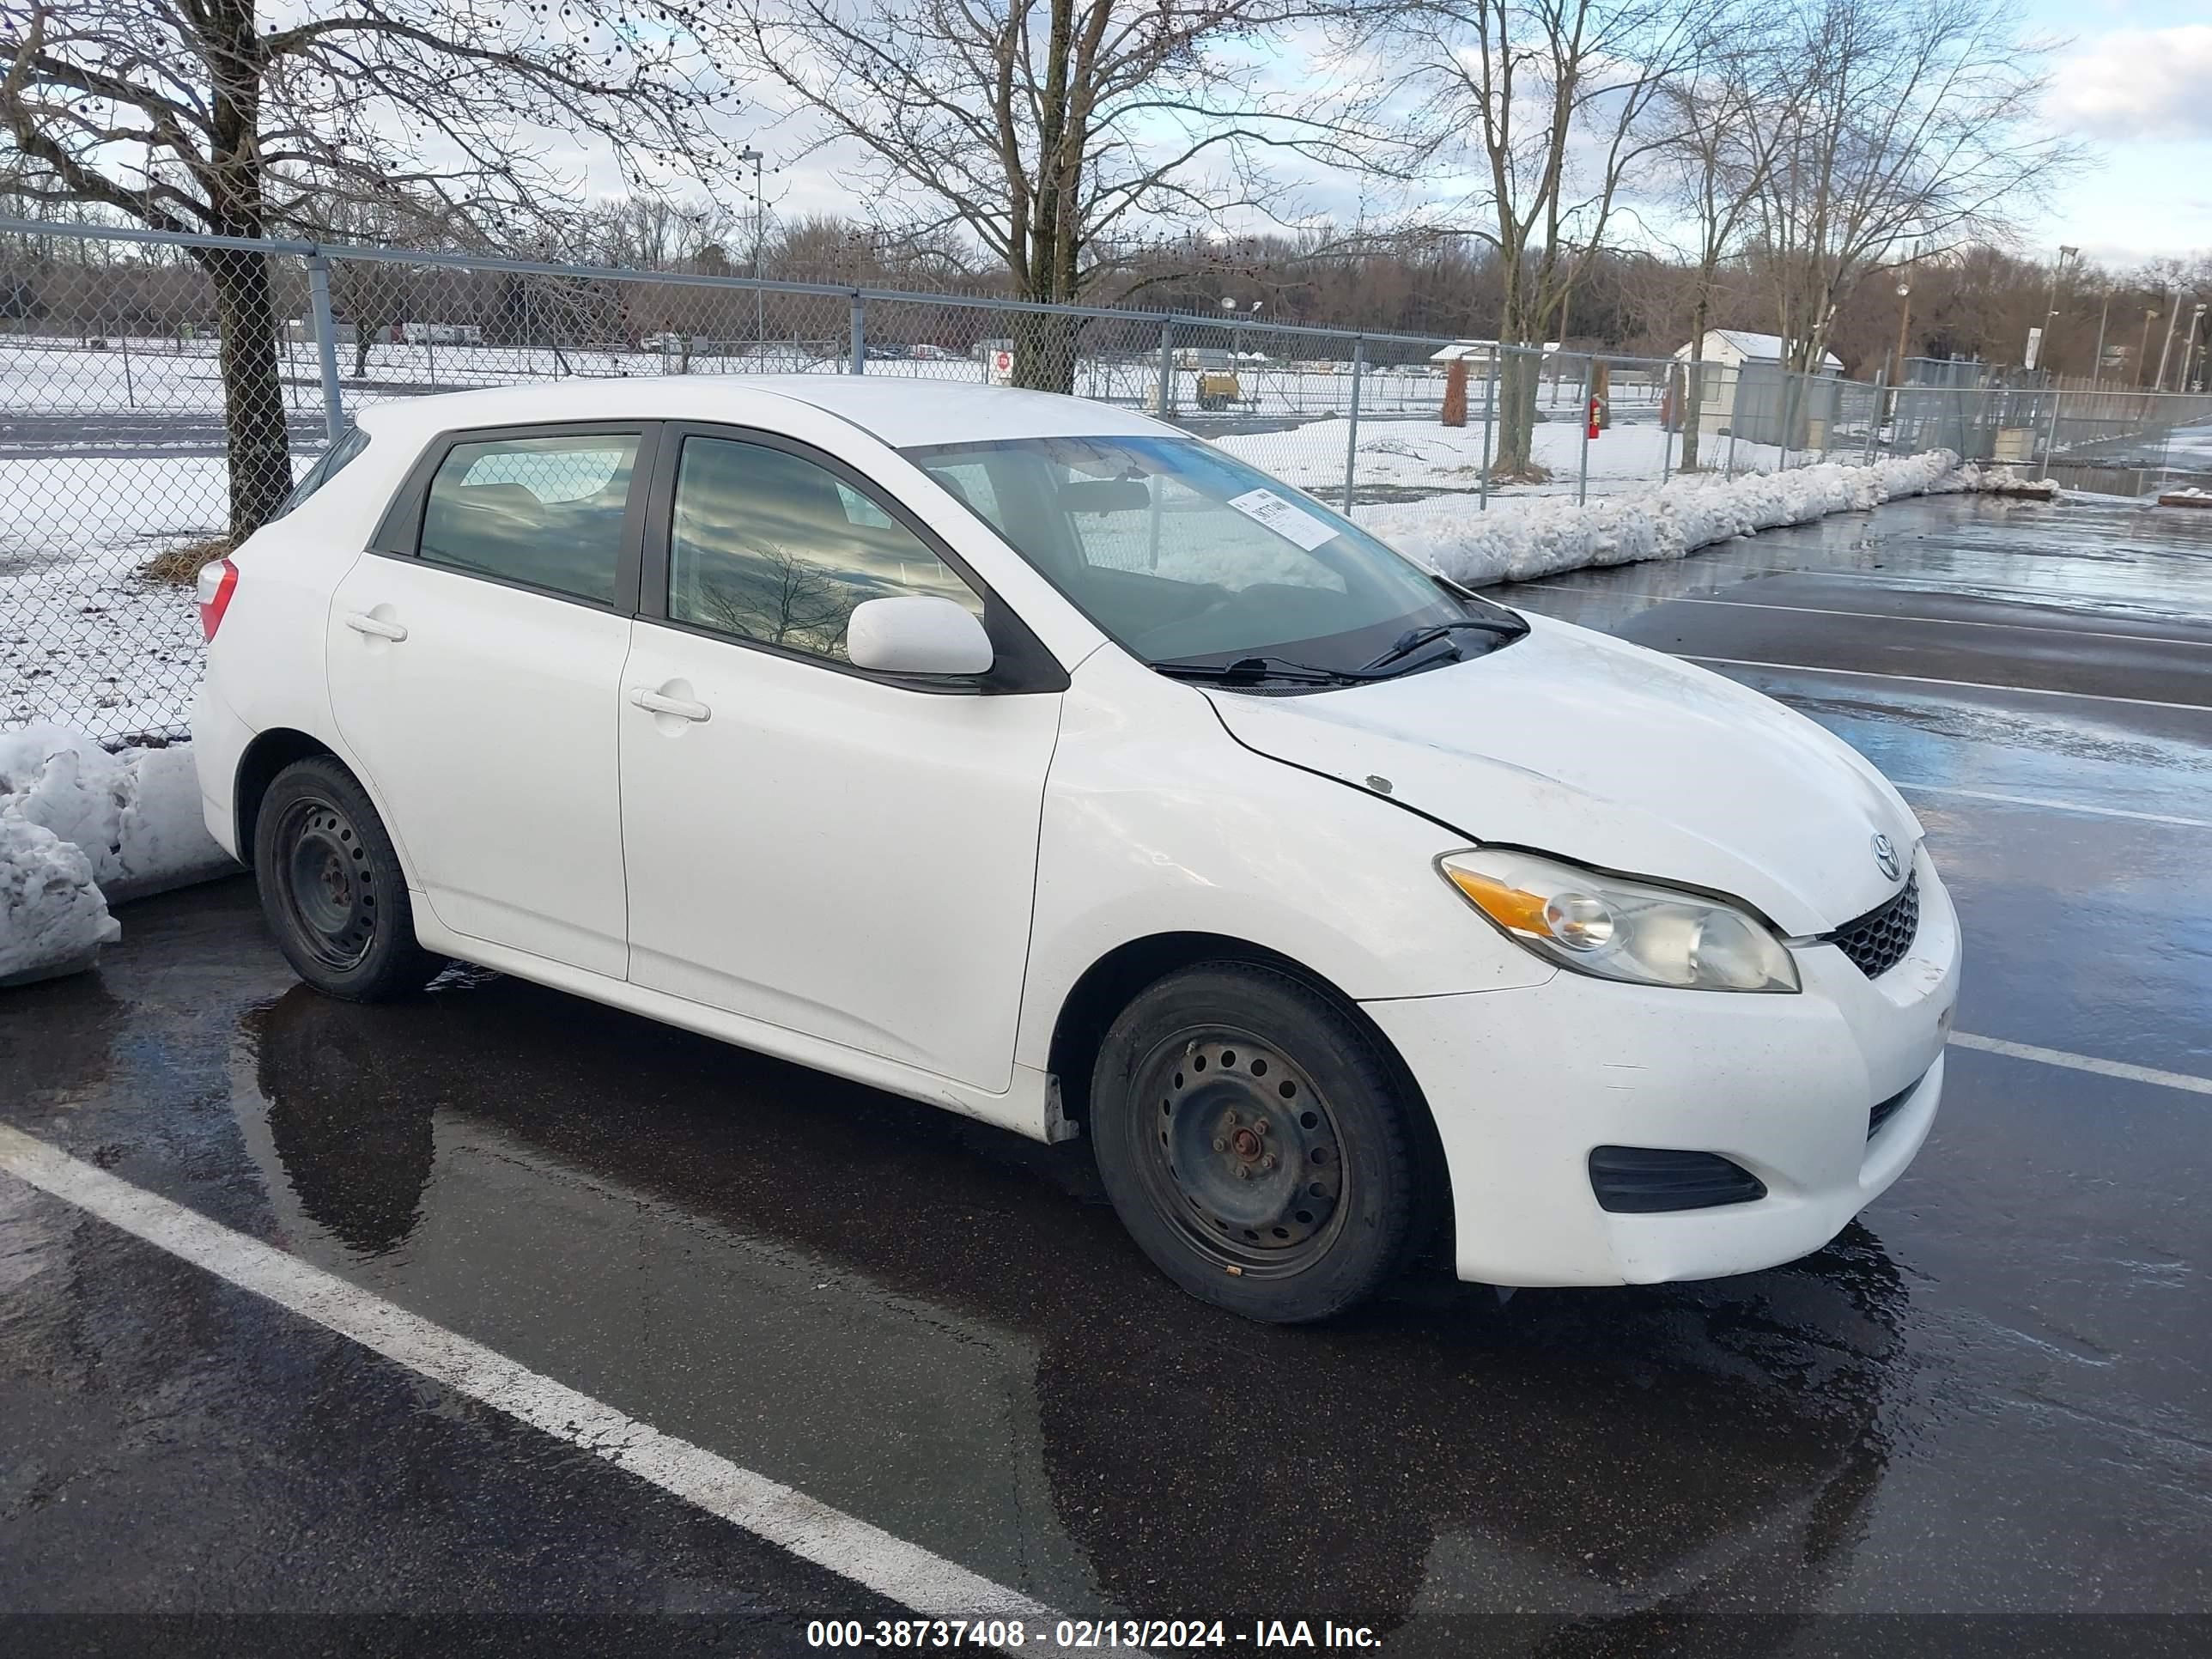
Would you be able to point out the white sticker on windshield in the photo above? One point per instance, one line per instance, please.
(1291, 523)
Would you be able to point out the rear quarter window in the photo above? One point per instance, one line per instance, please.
(327, 466)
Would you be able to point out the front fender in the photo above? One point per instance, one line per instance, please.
(1157, 821)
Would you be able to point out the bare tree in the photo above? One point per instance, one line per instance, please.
(780, 595)
(1725, 120)
(1548, 104)
(1917, 121)
(1053, 132)
(199, 115)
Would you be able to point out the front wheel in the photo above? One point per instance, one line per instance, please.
(332, 886)
(1256, 1142)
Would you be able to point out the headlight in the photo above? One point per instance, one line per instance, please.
(1616, 929)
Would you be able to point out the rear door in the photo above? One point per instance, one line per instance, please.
(836, 852)
(475, 661)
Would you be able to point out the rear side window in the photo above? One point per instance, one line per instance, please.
(331, 462)
(544, 512)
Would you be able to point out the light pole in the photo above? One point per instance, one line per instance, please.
(1904, 324)
(2197, 317)
(1237, 319)
(2050, 310)
(2097, 363)
(2143, 348)
(760, 304)
(2159, 385)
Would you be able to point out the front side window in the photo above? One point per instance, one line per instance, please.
(769, 546)
(1188, 556)
(546, 512)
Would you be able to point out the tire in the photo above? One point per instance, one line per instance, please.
(1228, 1066)
(332, 886)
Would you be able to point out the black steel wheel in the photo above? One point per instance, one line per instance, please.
(1246, 1157)
(1256, 1142)
(328, 889)
(332, 886)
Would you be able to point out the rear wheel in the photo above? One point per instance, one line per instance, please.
(332, 886)
(1256, 1142)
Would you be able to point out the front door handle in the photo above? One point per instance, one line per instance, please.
(362, 623)
(683, 707)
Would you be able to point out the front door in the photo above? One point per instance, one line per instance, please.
(478, 681)
(831, 851)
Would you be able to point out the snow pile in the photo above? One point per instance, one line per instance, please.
(52, 918)
(1522, 541)
(136, 815)
(80, 826)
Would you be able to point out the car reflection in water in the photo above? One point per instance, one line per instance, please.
(998, 1376)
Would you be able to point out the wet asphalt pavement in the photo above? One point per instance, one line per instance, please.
(1989, 1396)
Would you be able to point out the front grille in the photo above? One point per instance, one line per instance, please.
(1878, 940)
(1651, 1180)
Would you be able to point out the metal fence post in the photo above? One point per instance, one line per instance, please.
(2050, 441)
(1167, 369)
(1874, 415)
(859, 325)
(1489, 415)
(326, 344)
(1351, 438)
(1581, 479)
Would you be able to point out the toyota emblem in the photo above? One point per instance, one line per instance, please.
(1885, 857)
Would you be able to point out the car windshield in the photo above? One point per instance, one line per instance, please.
(1194, 561)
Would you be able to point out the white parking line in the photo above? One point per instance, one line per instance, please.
(2059, 631)
(906, 1573)
(1926, 679)
(2054, 805)
(2196, 1086)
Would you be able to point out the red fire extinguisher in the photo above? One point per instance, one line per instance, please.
(1597, 408)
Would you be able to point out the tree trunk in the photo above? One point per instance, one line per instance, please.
(1518, 379)
(253, 394)
(1693, 388)
(1454, 410)
(1045, 344)
(360, 333)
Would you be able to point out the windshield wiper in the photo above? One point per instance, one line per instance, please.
(1510, 627)
(1255, 668)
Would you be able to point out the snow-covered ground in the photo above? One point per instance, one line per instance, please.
(86, 642)
(154, 376)
(79, 827)
(1427, 457)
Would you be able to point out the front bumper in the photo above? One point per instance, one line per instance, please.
(1524, 1083)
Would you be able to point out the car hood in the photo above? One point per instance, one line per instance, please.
(1572, 743)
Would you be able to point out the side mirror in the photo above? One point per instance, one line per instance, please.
(916, 634)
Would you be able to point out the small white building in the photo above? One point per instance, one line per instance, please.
(1735, 347)
(1740, 366)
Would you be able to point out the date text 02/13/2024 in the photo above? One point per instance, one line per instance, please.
(1081, 1634)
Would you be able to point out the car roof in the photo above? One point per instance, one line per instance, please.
(901, 409)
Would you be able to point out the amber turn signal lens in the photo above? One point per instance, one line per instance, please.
(1507, 906)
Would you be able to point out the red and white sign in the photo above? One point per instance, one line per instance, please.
(1002, 368)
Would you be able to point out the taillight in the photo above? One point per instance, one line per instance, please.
(217, 582)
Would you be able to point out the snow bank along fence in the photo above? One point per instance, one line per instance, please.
(157, 389)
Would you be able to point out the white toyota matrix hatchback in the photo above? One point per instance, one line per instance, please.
(1031, 758)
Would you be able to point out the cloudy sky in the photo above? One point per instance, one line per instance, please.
(2136, 82)
(2131, 77)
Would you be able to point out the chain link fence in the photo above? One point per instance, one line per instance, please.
(158, 394)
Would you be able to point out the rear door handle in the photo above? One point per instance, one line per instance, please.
(683, 707)
(362, 623)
